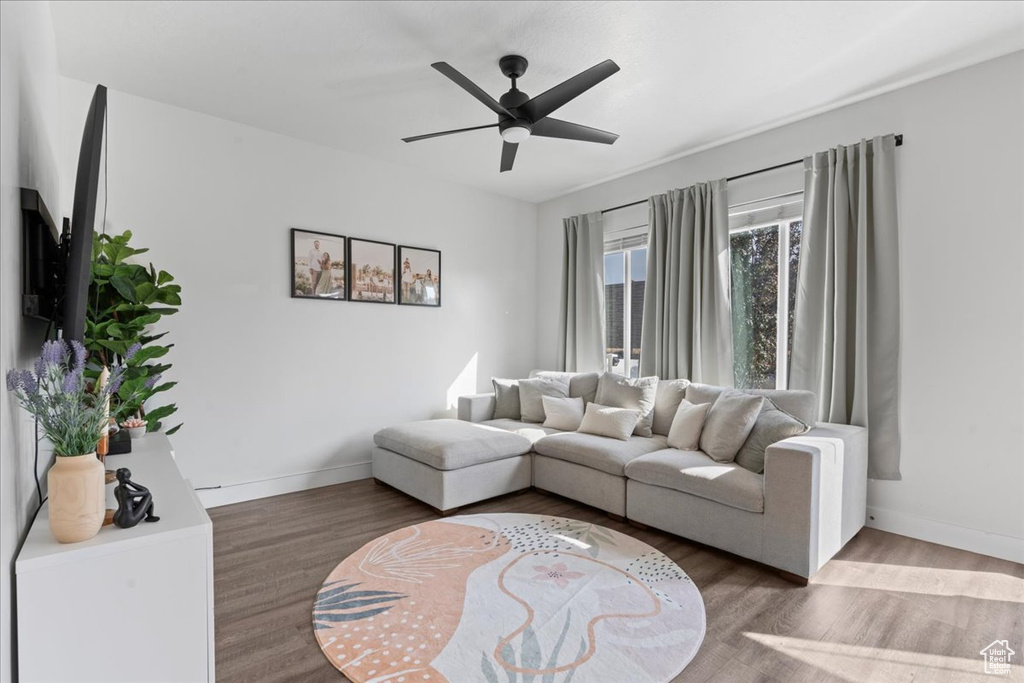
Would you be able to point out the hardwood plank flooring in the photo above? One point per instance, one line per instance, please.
(888, 608)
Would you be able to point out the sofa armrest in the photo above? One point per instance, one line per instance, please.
(476, 407)
(815, 496)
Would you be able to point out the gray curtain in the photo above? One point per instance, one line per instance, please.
(846, 330)
(687, 323)
(581, 323)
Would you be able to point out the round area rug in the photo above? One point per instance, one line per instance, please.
(508, 597)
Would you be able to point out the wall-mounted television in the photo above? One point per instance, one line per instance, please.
(56, 270)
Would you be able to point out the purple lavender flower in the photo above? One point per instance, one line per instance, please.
(29, 383)
(132, 350)
(151, 381)
(55, 352)
(79, 354)
(115, 383)
(72, 382)
(40, 368)
(13, 380)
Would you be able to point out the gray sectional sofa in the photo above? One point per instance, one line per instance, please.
(808, 503)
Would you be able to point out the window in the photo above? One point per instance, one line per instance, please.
(764, 258)
(625, 274)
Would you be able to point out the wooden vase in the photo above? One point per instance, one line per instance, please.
(77, 497)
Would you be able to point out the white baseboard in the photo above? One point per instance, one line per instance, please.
(964, 538)
(251, 490)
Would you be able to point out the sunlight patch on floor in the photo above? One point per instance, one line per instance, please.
(923, 580)
(857, 663)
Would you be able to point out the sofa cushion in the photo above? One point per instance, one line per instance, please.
(531, 392)
(581, 384)
(506, 398)
(694, 472)
(615, 423)
(451, 444)
(616, 391)
(772, 425)
(598, 452)
(530, 430)
(729, 423)
(797, 402)
(687, 426)
(563, 413)
(670, 393)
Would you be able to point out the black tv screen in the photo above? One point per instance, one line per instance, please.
(83, 218)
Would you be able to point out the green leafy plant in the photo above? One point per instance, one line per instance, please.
(125, 301)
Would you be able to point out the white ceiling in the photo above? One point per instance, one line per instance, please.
(357, 76)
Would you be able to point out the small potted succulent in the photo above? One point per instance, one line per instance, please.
(136, 427)
(72, 415)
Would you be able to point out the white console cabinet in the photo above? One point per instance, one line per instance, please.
(128, 604)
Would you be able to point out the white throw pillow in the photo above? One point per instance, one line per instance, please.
(617, 391)
(687, 426)
(563, 413)
(531, 392)
(729, 423)
(617, 423)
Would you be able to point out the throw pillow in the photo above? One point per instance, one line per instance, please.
(581, 384)
(687, 426)
(666, 403)
(773, 424)
(617, 423)
(729, 423)
(616, 391)
(563, 413)
(703, 393)
(531, 392)
(506, 399)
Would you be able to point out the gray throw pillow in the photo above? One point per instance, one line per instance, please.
(670, 393)
(506, 398)
(703, 393)
(616, 391)
(615, 423)
(531, 393)
(772, 425)
(581, 384)
(729, 423)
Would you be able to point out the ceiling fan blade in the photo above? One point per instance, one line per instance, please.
(447, 132)
(550, 100)
(556, 128)
(471, 87)
(508, 155)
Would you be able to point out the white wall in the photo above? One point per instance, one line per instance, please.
(29, 150)
(273, 387)
(961, 174)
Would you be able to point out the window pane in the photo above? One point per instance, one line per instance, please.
(638, 278)
(614, 276)
(796, 230)
(755, 291)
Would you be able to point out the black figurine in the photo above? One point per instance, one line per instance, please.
(134, 501)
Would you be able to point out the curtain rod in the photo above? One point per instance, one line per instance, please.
(899, 143)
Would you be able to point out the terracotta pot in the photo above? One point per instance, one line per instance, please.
(77, 497)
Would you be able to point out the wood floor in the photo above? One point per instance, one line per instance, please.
(888, 608)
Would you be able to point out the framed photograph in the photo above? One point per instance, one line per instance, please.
(318, 265)
(419, 276)
(371, 273)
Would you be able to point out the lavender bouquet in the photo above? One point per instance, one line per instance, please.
(72, 414)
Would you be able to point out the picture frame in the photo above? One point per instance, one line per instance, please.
(306, 280)
(419, 276)
(371, 272)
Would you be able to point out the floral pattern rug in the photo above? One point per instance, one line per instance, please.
(508, 598)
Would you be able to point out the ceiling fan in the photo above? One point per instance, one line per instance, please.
(519, 116)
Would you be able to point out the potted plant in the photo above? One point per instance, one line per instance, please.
(125, 301)
(72, 414)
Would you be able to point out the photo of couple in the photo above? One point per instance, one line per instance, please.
(318, 265)
(373, 271)
(420, 276)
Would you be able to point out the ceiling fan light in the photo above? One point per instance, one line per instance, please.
(515, 134)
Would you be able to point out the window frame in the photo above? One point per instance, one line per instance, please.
(623, 242)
